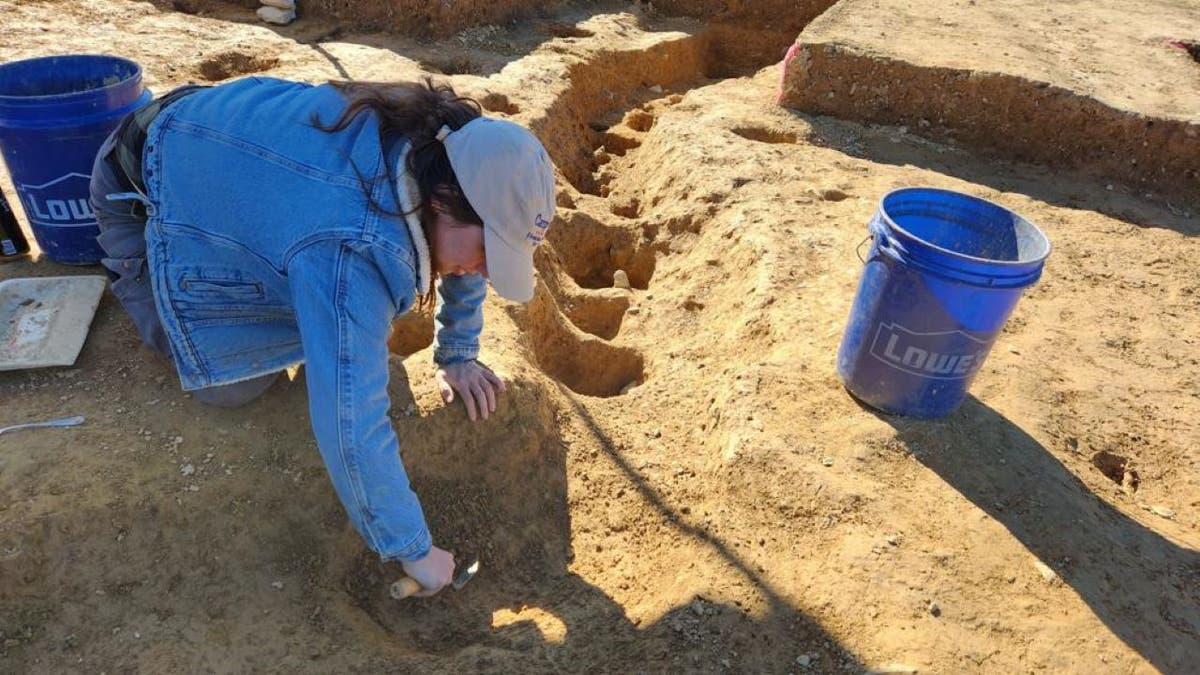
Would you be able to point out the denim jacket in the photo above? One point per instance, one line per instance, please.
(264, 252)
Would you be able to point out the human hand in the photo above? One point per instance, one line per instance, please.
(475, 383)
(434, 572)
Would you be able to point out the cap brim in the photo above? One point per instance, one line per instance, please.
(509, 269)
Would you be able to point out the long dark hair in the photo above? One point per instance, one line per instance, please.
(416, 111)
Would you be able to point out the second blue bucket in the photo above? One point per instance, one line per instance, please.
(55, 112)
(943, 274)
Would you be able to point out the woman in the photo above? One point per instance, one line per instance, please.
(262, 223)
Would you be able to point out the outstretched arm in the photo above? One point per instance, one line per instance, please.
(344, 309)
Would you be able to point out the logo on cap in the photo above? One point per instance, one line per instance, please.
(537, 235)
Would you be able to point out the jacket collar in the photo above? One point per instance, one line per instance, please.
(409, 194)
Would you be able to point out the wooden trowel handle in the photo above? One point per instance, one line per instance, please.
(405, 587)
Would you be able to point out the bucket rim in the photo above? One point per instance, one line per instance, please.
(9, 99)
(883, 214)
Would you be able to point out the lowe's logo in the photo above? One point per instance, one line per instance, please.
(945, 355)
(62, 202)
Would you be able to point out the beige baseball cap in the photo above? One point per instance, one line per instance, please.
(508, 178)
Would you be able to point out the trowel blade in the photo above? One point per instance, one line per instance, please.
(465, 574)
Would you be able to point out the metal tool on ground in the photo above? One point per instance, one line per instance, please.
(56, 424)
(408, 586)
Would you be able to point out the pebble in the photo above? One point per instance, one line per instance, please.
(1162, 511)
(621, 280)
(698, 608)
(187, 469)
(828, 461)
(277, 585)
(281, 17)
(804, 660)
(894, 669)
(1049, 575)
(935, 609)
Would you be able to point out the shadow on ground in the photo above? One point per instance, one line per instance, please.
(481, 50)
(890, 145)
(1144, 587)
(507, 497)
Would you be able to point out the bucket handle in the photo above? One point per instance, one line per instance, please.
(878, 233)
(858, 249)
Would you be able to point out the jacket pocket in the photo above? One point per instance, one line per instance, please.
(212, 289)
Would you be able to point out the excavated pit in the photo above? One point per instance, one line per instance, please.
(585, 363)
(502, 499)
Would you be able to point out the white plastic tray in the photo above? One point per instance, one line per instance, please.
(44, 321)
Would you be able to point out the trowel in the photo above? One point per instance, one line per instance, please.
(407, 586)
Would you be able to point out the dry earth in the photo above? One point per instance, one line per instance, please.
(676, 480)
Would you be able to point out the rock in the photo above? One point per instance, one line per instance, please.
(281, 17)
(277, 585)
(935, 609)
(1162, 511)
(893, 669)
(621, 280)
(698, 608)
(833, 195)
(187, 469)
(804, 660)
(828, 461)
(1049, 575)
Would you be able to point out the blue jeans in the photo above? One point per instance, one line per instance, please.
(123, 237)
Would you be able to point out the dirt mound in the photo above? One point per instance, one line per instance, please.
(1073, 100)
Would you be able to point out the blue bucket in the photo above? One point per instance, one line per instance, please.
(943, 273)
(55, 112)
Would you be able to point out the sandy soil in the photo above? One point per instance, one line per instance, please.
(676, 480)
